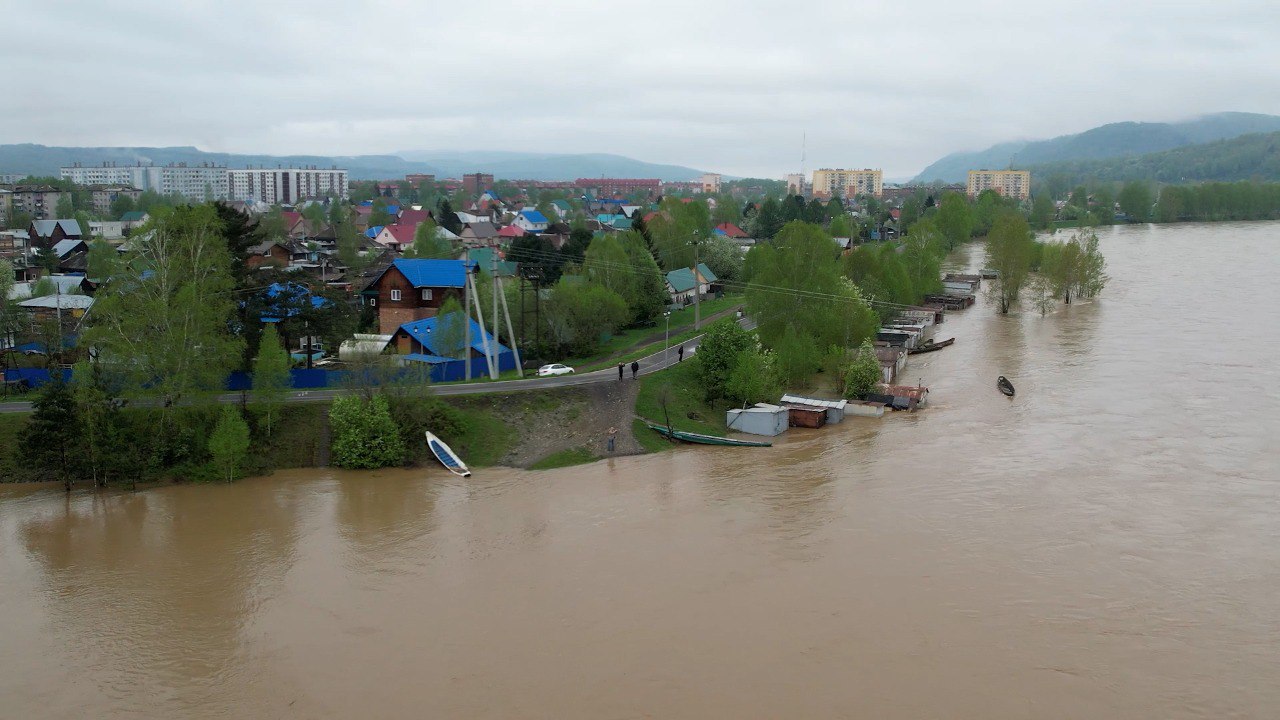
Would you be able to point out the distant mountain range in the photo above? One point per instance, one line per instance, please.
(44, 160)
(1115, 140)
(1248, 157)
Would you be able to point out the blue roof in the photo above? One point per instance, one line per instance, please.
(423, 330)
(393, 210)
(366, 203)
(718, 231)
(373, 231)
(534, 216)
(433, 273)
(288, 294)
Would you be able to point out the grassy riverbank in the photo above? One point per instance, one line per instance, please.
(682, 392)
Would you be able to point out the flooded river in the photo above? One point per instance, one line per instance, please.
(1106, 545)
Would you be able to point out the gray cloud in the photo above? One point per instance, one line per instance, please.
(711, 84)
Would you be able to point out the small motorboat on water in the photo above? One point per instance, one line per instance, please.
(1005, 386)
(930, 346)
(447, 456)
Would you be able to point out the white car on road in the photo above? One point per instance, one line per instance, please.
(554, 369)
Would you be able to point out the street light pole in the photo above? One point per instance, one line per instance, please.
(666, 338)
(697, 286)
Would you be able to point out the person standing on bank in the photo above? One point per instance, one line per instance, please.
(620, 370)
(680, 354)
(635, 368)
(613, 434)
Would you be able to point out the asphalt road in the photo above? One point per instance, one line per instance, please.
(648, 364)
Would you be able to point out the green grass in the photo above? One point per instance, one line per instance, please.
(684, 395)
(11, 425)
(485, 438)
(681, 320)
(648, 439)
(565, 458)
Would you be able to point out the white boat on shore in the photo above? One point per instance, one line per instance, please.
(447, 456)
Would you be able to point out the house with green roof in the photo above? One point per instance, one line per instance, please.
(682, 284)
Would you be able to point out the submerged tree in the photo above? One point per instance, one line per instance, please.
(1009, 247)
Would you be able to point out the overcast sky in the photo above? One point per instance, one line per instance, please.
(724, 86)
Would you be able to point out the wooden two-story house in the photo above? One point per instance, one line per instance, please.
(414, 289)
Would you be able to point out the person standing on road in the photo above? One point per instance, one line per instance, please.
(620, 370)
(680, 354)
(635, 368)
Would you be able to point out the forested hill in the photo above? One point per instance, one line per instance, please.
(45, 160)
(1249, 157)
(1107, 141)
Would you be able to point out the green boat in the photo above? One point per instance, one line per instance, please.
(700, 439)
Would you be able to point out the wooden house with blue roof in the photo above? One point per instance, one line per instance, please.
(411, 289)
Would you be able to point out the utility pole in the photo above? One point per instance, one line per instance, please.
(484, 337)
(697, 286)
(493, 268)
(511, 332)
(466, 319)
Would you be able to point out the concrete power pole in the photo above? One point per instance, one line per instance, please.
(697, 286)
(466, 313)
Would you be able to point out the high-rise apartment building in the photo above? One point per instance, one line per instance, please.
(1010, 183)
(847, 183)
(711, 183)
(796, 184)
(276, 186)
(39, 201)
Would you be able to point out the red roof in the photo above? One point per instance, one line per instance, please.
(291, 218)
(731, 230)
(413, 217)
(895, 213)
(402, 234)
(511, 231)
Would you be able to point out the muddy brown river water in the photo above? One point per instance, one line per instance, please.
(1105, 545)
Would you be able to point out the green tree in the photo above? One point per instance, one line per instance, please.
(754, 378)
(164, 321)
(723, 257)
(105, 443)
(922, 252)
(10, 314)
(579, 314)
(429, 243)
(862, 373)
(1136, 201)
(121, 205)
(955, 219)
(365, 436)
(1076, 267)
(1042, 210)
(798, 297)
(1040, 289)
(229, 441)
(717, 354)
(66, 208)
(103, 260)
(271, 379)
(1009, 253)
(51, 442)
(451, 329)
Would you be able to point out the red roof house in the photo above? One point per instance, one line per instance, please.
(730, 230)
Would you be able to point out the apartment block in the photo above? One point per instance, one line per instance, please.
(1010, 183)
(40, 201)
(205, 181)
(796, 184)
(847, 183)
(276, 186)
(711, 183)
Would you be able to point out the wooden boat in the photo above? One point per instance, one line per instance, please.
(1005, 386)
(930, 346)
(447, 456)
(700, 439)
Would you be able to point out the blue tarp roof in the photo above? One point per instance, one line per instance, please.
(423, 331)
(288, 293)
(393, 210)
(433, 273)
(373, 231)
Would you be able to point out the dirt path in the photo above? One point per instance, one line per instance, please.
(573, 418)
